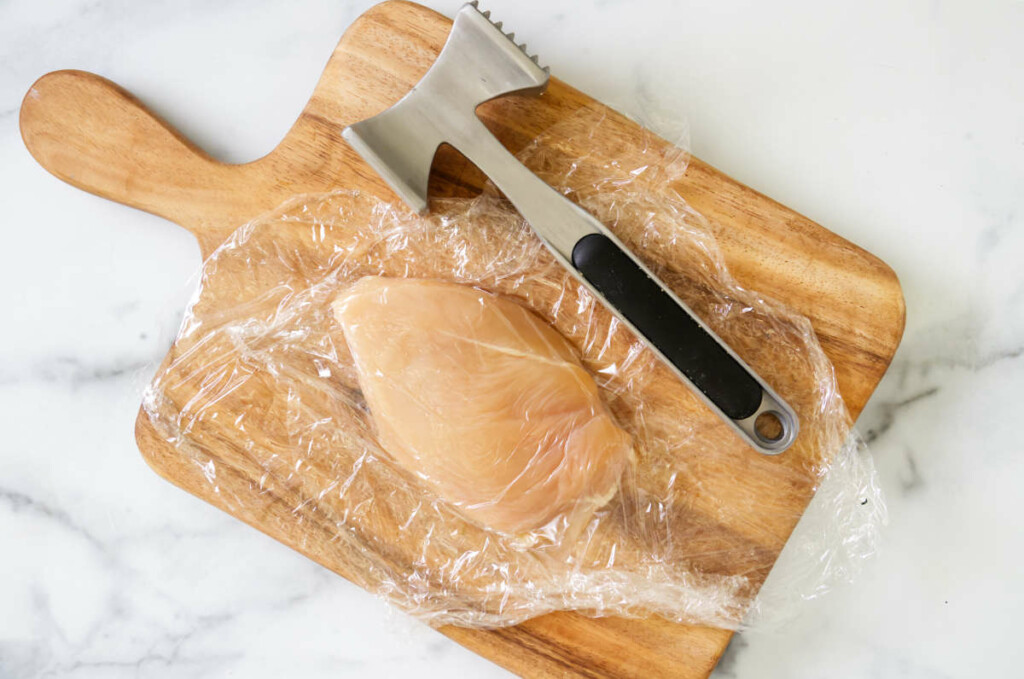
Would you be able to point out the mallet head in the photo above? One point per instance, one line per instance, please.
(478, 63)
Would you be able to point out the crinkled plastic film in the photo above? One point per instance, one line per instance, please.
(262, 382)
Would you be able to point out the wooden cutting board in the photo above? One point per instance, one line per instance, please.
(96, 136)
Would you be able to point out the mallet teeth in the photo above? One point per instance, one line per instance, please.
(510, 35)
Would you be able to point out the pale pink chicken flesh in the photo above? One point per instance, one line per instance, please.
(483, 401)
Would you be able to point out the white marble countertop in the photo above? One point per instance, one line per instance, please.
(898, 125)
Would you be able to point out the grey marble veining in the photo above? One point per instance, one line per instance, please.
(898, 125)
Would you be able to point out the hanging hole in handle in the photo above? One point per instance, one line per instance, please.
(768, 427)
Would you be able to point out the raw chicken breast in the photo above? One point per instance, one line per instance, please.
(484, 401)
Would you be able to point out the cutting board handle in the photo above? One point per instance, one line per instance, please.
(96, 136)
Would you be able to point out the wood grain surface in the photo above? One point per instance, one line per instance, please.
(96, 136)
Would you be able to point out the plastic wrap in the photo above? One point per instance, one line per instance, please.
(684, 521)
